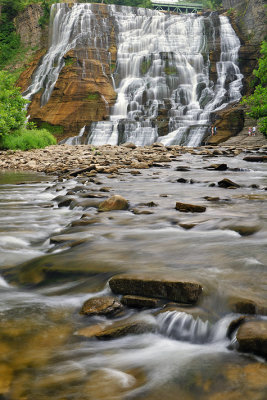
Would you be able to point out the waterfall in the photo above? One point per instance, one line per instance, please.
(162, 75)
(179, 325)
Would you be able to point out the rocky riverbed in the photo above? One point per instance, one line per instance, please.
(133, 272)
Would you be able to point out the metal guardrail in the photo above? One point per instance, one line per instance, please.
(177, 6)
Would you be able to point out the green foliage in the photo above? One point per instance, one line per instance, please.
(46, 4)
(212, 4)
(93, 96)
(25, 139)
(257, 102)
(53, 129)
(12, 105)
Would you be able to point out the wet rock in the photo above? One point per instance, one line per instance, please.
(104, 189)
(85, 203)
(140, 302)
(115, 202)
(158, 287)
(235, 324)
(149, 204)
(82, 170)
(118, 329)
(187, 226)
(252, 337)
(101, 306)
(137, 211)
(227, 183)
(243, 305)
(182, 180)
(209, 198)
(217, 167)
(184, 207)
(258, 158)
(182, 168)
(66, 202)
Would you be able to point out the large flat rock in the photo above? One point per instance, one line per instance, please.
(170, 289)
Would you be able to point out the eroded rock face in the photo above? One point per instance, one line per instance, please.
(170, 289)
(28, 27)
(83, 91)
(252, 338)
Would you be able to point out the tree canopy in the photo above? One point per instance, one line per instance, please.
(257, 102)
(12, 104)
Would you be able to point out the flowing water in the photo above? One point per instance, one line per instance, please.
(44, 283)
(162, 75)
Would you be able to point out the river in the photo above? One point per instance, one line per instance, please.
(44, 282)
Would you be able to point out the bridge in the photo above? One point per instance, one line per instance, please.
(178, 6)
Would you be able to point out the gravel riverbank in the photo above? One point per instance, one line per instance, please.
(85, 160)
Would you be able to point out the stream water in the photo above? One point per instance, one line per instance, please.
(43, 285)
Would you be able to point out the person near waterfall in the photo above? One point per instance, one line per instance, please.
(254, 131)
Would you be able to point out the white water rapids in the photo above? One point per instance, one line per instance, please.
(162, 72)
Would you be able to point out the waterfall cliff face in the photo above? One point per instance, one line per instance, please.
(162, 78)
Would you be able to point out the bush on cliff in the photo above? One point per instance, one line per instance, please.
(257, 102)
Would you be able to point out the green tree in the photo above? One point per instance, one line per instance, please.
(12, 105)
(257, 102)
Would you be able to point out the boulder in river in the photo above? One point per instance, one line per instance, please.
(101, 306)
(257, 158)
(227, 183)
(184, 207)
(252, 337)
(158, 287)
(217, 167)
(115, 202)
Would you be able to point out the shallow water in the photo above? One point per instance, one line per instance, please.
(43, 285)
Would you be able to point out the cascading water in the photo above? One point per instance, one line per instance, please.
(162, 76)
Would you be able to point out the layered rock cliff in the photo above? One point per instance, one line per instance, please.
(83, 92)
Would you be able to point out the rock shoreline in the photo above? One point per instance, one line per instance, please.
(86, 160)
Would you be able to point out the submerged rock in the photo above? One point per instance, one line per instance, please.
(170, 289)
(252, 338)
(118, 329)
(101, 306)
(183, 207)
(115, 202)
